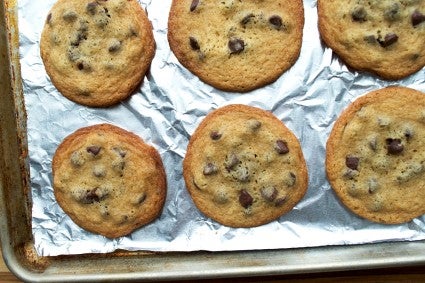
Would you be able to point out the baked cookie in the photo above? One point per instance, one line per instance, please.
(244, 167)
(236, 45)
(108, 180)
(375, 159)
(385, 37)
(96, 52)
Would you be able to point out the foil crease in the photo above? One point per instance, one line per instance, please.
(166, 110)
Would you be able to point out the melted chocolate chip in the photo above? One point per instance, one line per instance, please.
(359, 14)
(276, 21)
(93, 149)
(245, 199)
(194, 5)
(93, 195)
(394, 146)
(236, 45)
(231, 162)
(389, 39)
(194, 43)
(214, 135)
(352, 162)
(281, 147)
(417, 18)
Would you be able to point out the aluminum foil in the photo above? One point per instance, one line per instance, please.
(165, 111)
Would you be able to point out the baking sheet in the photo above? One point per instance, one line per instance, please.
(169, 105)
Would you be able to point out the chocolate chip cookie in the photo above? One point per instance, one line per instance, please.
(96, 52)
(236, 45)
(244, 167)
(384, 37)
(375, 159)
(108, 180)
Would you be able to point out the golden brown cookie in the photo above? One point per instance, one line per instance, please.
(384, 37)
(108, 180)
(236, 45)
(244, 167)
(96, 52)
(375, 155)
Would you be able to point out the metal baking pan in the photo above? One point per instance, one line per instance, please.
(15, 218)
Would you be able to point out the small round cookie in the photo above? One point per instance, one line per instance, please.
(375, 159)
(108, 180)
(244, 167)
(236, 45)
(96, 52)
(384, 37)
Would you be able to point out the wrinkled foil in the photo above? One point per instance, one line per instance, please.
(166, 110)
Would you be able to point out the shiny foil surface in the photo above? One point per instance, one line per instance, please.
(166, 110)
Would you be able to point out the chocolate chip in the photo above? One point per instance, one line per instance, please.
(281, 147)
(120, 151)
(194, 43)
(93, 195)
(392, 13)
(247, 19)
(231, 162)
(408, 133)
(394, 146)
(49, 18)
(69, 16)
(210, 169)
(359, 14)
(290, 181)
(280, 201)
(236, 45)
(352, 162)
(91, 7)
(417, 18)
(93, 149)
(215, 135)
(83, 65)
(245, 199)
(269, 193)
(389, 39)
(371, 39)
(114, 45)
(254, 124)
(194, 5)
(276, 21)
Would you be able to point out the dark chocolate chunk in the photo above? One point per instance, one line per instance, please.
(352, 162)
(193, 5)
(245, 199)
(215, 135)
(194, 44)
(236, 45)
(93, 195)
(49, 18)
(93, 149)
(276, 21)
(417, 18)
(394, 146)
(359, 14)
(389, 39)
(281, 147)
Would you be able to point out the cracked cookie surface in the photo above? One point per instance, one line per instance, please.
(236, 45)
(375, 157)
(108, 180)
(96, 52)
(244, 167)
(384, 37)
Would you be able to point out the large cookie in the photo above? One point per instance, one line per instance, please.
(385, 37)
(108, 180)
(97, 52)
(375, 159)
(236, 45)
(244, 167)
